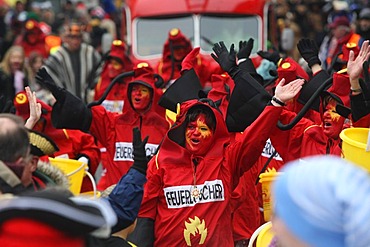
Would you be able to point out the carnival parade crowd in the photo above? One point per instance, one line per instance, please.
(177, 150)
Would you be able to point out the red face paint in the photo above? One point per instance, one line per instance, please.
(114, 68)
(198, 136)
(332, 121)
(140, 97)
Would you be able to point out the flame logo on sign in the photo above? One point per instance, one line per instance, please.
(195, 227)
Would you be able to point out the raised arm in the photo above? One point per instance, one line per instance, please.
(360, 91)
(248, 150)
(69, 111)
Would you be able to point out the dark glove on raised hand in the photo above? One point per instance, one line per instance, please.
(140, 159)
(226, 59)
(245, 48)
(45, 80)
(309, 51)
(69, 112)
(273, 56)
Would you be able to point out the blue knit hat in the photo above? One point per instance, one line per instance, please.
(325, 201)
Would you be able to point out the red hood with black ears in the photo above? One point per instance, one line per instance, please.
(340, 91)
(173, 149)
(144, 75)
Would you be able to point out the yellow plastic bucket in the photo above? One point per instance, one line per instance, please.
(266, 179)
(354, 146)
(265, 237)
(73, 169)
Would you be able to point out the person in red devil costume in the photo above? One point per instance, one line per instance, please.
(190, 180)
(32, 39)
(117, 63)
(306, 138)
(72, 144)
(113, 130)
(176, 47)
(109, 128)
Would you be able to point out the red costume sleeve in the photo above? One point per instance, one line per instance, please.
(102, 124)
(288, 143)
(244, 153)
(84, 144)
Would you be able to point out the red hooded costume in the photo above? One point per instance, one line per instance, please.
(37, 43)
(169, 68)
(307, 138)
(180, 218)
(114, 131)
(117, 97)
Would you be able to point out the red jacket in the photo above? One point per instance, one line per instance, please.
(114, 131)
(304, 139)
(181, 219)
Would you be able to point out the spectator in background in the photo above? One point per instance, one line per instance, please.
(341, 34)
(32, 39)
(35, 61)
(75, 64)
(322, 201)
(3, 30)
(363, 26)
(66, 15)
(13, 72)
(15, 19)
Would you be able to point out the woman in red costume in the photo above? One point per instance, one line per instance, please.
(190, 180)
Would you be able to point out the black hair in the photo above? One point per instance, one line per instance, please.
(14, 140)
(326, 98)
(195, 111)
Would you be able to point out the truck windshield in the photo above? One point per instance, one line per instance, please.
(150, 34)
(231, 29)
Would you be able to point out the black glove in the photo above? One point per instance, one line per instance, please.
(69, 111)
(273, 56)
(45, 80)
(245, 48)
(140, 159)
(309, 51)
(226, 59)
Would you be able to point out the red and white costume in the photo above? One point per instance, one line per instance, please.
(180, 218)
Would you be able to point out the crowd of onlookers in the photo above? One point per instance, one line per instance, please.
(209, 153)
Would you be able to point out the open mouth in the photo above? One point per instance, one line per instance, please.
(327, 124)
(195, 141)
(137, 100)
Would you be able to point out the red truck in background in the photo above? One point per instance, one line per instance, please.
(146, 23)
